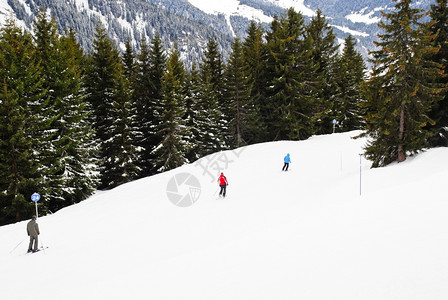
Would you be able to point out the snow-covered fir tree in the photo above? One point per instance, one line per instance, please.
(68, 154)
(22, 94)
(150, 69)
(171, 152)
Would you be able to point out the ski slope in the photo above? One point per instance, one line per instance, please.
(302, 234)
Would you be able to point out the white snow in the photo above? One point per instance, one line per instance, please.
(231, 8)
(298, 5)
(6, 13)
(302, 234)
(234, 7)
(350, 31)
(362, 17)
(26, 6)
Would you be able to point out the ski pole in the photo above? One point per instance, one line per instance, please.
(16, 246)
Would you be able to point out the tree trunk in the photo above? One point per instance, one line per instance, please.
(401, 151)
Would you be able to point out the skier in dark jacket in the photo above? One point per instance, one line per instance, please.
(287, 160)
(223, 183)
(33, 231)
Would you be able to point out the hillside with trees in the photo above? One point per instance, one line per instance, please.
(74, 121)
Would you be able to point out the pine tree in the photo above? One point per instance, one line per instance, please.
(104, 85)
(324, 56)
(145, 107)
(64, 162)
(254, 66)
(191, 113)
(290, 92)
(52, 150)
(350, 74)
(151, 64)
(203, 117)
(171, 152)
(212, 68)
(401, 89)
(268, 108)
(21, 95)
(212, 103)
(129, 62)
(243, 118)
(81, 163)
(439, 111)
(121, 164)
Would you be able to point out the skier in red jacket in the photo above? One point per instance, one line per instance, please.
(223, 183)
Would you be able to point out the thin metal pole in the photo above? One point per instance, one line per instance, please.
(16, 246)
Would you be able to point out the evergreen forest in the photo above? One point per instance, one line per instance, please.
(73, 122)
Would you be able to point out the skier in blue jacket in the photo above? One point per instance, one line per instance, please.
(287, 161)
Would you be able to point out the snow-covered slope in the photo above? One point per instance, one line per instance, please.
(302, 234)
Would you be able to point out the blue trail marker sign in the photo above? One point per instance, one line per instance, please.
(35, 197)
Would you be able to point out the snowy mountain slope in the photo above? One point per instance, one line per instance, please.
(191, 23)
(174, 20)
(302, 234)
(244, 8)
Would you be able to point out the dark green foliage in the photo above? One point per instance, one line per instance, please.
(212, 104)
(171, 152)
(290, 93)
(349, 75)
(243, 114)
(212, 68)
(192, 81)
(120, 166)
(21, 95)
(80, 163)
(47, 145)
(52, 147)
(101, 80)
(324, 57)
(439, 111)
(113, 114)
(129, 63)
(208, 120)
(402, 87)
(254, 54)
(67, 156)
(202, 117)
(151, 65)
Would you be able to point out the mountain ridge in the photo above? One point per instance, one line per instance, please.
(191, 23)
